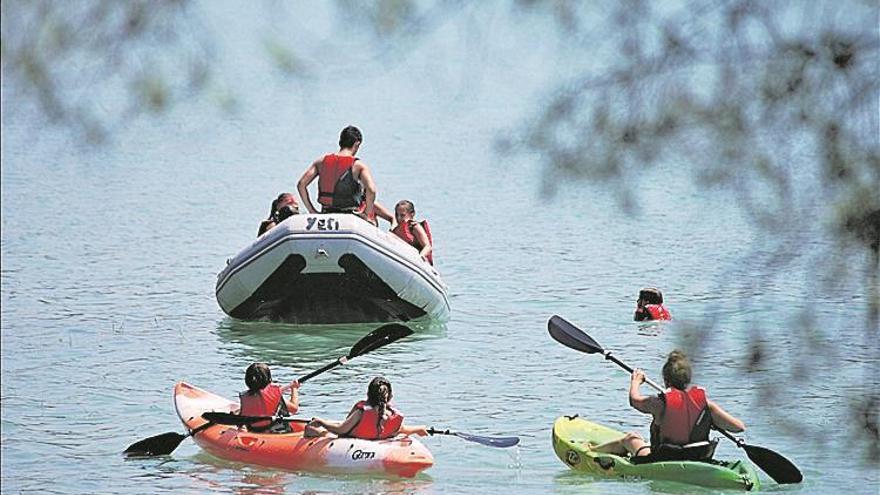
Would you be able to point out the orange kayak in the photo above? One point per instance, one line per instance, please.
(401, 456)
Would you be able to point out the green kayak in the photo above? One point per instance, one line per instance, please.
(571, 435)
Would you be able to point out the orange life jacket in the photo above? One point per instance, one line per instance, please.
(685, 419)
(267, 402)
(368, 427)
(658, 312)
(405, 232)
(337, 187)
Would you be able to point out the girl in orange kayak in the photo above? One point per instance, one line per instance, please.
(682, 414)
(264, 398)
(372, 419)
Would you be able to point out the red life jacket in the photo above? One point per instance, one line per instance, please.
(658, 312)
(336, 184)
(405, 232)
(265, 403)
(367, 428)
(680, 415)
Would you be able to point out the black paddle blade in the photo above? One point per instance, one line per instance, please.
(163, 444)
(379, 337)
(774, 464)
(498, 442)
(571, 336)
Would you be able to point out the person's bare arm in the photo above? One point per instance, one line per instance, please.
(420, 430)
(303, 185)
(648, 404)
(362, 173)
(340, 427)
(724, 419)
(265, 226)
(422, 237)
(383, 212)
(293, 403)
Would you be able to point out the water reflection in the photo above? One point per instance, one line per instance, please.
(257, 480)
(569, 481)
(263, 483)
(651, 328)
(308, 345)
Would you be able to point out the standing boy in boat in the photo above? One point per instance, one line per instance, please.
(650, 306)
(345, 184)
(682, 415)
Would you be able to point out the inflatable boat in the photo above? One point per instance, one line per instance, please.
(330, 268)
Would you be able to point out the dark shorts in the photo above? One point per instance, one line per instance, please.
(331, 209)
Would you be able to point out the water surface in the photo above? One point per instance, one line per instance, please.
(110, 257)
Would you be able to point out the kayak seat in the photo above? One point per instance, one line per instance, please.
(697, 451)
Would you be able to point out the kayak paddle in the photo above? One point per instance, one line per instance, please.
(165, 443)
(774, 464)
(233, 419)
(499, 442)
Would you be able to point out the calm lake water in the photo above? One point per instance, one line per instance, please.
(110, 255)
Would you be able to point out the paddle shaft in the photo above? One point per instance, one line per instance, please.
(627, 367)
(498, 442)
(235, 419)
(200, 428)
(376, 339)
(727, 434)
(328, 367)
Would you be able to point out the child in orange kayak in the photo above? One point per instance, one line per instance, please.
(264, 398)
(416, 234)
(682, 415)
(650, 306)
(372, 419)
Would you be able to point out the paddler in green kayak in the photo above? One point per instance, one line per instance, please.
(682, 418)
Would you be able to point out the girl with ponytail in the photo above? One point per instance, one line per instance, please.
(372, 419)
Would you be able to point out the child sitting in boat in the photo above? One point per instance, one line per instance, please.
(682, 415)
(283, 207)
(650, 306)
(416, 234)
(371, 419)
(264, 398)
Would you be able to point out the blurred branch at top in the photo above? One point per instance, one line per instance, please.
(90, 66)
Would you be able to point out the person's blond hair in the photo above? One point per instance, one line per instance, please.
(677, 370)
